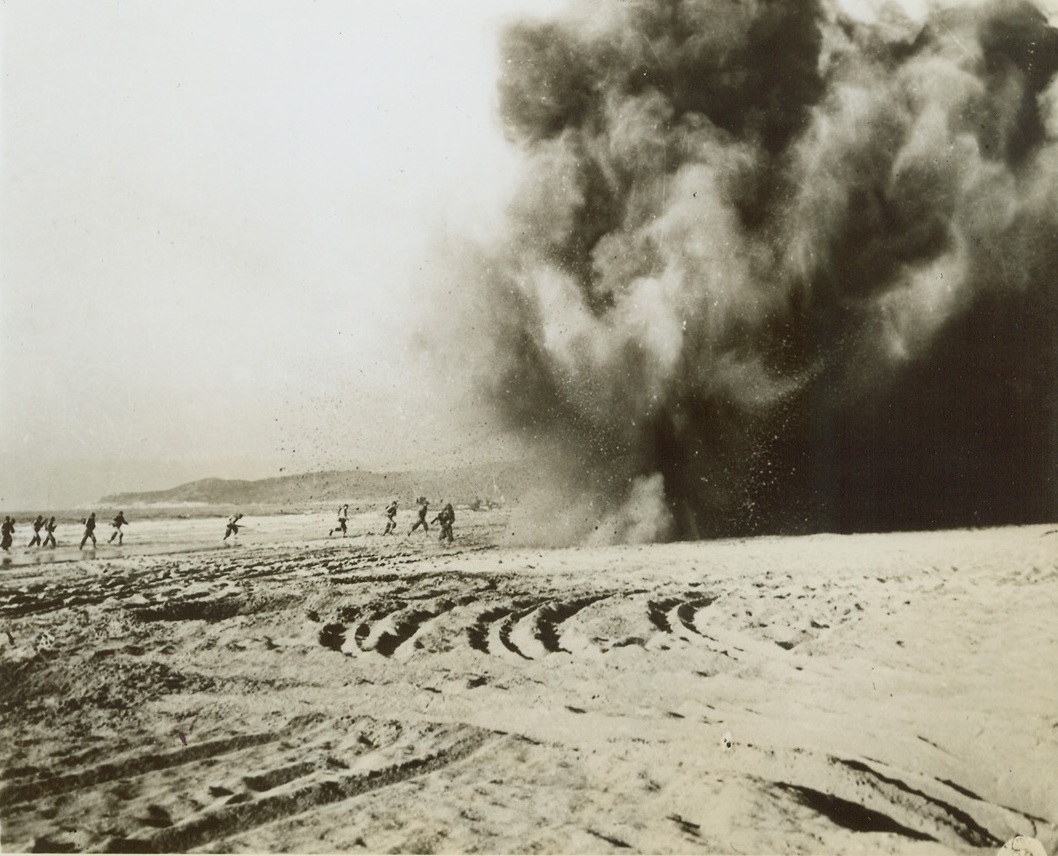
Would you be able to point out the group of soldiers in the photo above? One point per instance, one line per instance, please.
(446, 518)
(49, 526)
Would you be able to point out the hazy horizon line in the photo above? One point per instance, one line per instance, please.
(79, 482)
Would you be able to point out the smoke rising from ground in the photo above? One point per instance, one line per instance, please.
(776, 269)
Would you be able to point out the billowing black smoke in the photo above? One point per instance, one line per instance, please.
(775, 269)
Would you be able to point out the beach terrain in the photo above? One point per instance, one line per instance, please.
(294, 692)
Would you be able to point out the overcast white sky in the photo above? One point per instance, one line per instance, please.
(212, 217)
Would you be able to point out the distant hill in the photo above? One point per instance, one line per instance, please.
(485, 482)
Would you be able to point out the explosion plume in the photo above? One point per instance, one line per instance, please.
(777, 269)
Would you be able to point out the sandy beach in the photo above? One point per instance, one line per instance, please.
(297, 693)
(670, 298)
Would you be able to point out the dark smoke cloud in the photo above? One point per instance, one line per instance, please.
(774, 269)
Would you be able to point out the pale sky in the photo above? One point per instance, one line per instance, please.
(214, 219)
(215, 225)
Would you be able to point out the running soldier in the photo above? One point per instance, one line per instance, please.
(49, 527)
(424, 506)
(343, 515)
(89, 530)
(391, 522)
(447, 519)
(117, 523)
(38, 524)
(7, 531)
(233, 526)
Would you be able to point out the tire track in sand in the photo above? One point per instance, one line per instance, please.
(301, 790)
(18, 792)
